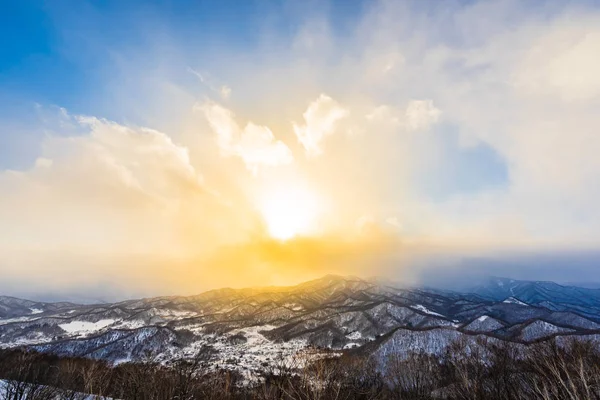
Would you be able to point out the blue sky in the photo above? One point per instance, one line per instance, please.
(51, 50)
(155, 129)
(63, 54)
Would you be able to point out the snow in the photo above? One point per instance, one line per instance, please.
(426, 310)
(250, 356)
(130, 324)
(540, 329)
(29, 390)
(294, 306)
(243, 342)
(85, 326)
(356, 335)
(403, 342)
(10, 320)
(174, 314)
(512, 300)
(484, 323)
(573, 320)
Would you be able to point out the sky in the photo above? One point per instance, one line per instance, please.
(170, 147)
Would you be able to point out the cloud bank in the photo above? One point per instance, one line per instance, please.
(467, 127)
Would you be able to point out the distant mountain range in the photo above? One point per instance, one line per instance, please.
(246, 329)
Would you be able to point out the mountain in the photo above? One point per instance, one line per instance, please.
(537, 292)
(246, 329)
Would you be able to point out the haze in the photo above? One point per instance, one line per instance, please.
(151, 148)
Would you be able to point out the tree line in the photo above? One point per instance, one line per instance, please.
(490, 371)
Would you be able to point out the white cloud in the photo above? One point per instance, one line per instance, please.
(320, 121)
(110, 188)
(394, 222)
(563, 61)
(518, 83)
(383, 114)
(421, 114)
(255, 145)
(222, 90)
(225, 91)
(43, 162)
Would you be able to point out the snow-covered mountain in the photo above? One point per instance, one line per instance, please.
(246, 329)
(535, 292)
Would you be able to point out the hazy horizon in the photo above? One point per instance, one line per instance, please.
(442, 271)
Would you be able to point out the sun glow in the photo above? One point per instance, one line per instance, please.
(290, 211)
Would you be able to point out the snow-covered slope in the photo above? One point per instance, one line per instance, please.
(534, 292)
(483, 324)
(246, 328)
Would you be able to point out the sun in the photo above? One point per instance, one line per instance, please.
(289, 211)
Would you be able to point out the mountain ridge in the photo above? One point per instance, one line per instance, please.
(250, 326)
